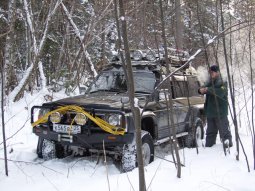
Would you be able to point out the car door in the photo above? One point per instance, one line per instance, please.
(165, 126)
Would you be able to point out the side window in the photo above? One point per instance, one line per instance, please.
(193, 85)
(165, 89)
(180, 88)
(186, 88)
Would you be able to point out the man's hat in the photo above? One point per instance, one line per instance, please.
(214, 68)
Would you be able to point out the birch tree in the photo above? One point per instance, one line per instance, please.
(80, 38)
(36, 48)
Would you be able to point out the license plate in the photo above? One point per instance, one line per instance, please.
(60, 128)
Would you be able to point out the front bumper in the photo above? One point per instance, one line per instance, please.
(85, 140)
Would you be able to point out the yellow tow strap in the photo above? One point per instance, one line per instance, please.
(101, 123)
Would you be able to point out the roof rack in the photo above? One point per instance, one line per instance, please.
(175, 56)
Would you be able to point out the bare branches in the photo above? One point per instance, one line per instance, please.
(31, 26)
(78, 35)
(16, 131)
(4, 34)
(14, 96)
(33, 163)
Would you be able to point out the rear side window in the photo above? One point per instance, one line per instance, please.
(185, 88)
(193, 85)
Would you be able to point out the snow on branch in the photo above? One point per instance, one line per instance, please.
(31, 27)
(43, 78)
(47, 25)
(78, 35)
(194, 55)
(2, 17)
(76, 30)
(18, 88)
(211, 40)
(13, 95)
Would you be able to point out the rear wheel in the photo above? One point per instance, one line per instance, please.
(147, 148)
(195, 136)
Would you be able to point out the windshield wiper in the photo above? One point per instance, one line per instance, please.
(142, 92)
(109, 90)
(99, 90)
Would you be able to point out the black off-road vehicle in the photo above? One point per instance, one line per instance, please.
(101, 119)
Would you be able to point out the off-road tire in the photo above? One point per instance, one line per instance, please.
(39, 147)
(147, 148)
(48, 150)
(129, 157)
(195, 135)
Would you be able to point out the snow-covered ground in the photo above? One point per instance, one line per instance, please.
(209, 170)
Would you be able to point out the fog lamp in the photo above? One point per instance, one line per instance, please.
(55, 117)
(80, 119)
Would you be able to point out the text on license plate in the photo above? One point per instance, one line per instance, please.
(60, 128)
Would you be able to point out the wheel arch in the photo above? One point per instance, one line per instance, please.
(149, 124)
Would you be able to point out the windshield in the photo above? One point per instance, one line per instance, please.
(115, 81)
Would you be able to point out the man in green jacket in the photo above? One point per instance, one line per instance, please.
(216, 109)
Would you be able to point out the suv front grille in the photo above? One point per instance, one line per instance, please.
(68, 118)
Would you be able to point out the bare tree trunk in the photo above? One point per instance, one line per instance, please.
(202, 35)
(2, 110)
(179, 25)
(135, 109)
(103, 48)
(230, 84)
(78, 35)
(252, 98)
(9, 53)
(170, 94)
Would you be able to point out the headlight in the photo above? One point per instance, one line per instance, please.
(80, 119)
(55, 117)
(115, 120)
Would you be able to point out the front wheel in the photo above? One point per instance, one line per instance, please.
(195, 136)
(48, 150)
(129, 157)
